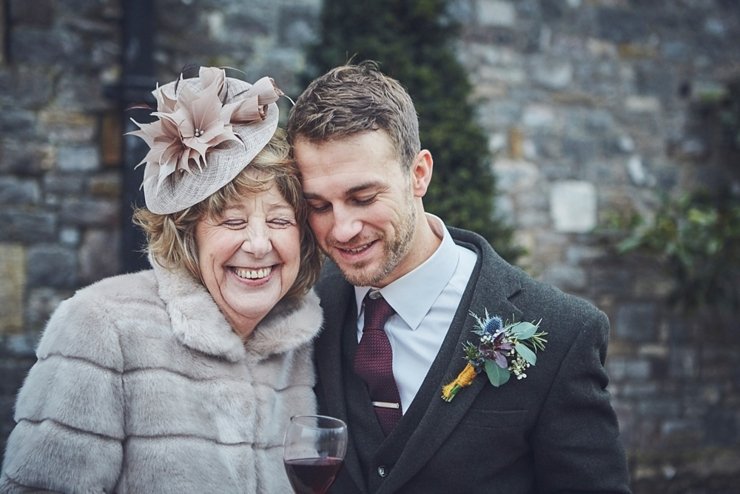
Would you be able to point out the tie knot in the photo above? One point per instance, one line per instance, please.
(377, 311)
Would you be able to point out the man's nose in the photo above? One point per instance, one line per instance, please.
(346, 225)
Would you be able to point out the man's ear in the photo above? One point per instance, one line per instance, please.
(421, 172)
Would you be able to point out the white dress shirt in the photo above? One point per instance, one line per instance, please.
(425, 301)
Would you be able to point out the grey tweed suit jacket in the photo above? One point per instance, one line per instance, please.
(554, 431)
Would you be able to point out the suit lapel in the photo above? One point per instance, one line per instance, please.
(338, 303)
(489, 288)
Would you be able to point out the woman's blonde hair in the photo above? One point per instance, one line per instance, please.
(170, 238)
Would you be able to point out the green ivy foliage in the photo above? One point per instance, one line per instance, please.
(412, 42)
(697, 233)
(698, 236)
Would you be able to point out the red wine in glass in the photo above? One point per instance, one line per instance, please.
(314, 449)
(312, 475)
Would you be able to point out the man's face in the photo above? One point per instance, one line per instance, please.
(363, 207)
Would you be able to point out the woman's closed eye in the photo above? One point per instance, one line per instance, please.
(281, 222)
(234, 224)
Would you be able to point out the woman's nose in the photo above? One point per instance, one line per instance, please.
(257, 241)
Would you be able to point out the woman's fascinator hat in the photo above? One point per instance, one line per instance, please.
(208, 129)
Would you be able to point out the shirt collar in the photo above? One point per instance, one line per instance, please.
(413, 294)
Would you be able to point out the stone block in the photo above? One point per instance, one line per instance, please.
(69, 236)
(32, 87)
(106, 185)
(567, 278)
(679, 432)
(26, 226)
(553, 73)
(494, 79)
(89, 212)
(683, 363)
(581, 151)
(628, 368)
(18, 191)
(13, 372)
(51, 265)
(515, 176)
(573, 206)
(637, 389)
(636, 321)
(78, 158)
(659, 406)
(111, 139)
(298, 25)
(722, 427)
(76, 93)
(39, 13)
(496, 13)
(637, 172)
(12, 286)
(64, 184)
(610, 280)
(42, 302)
(69, 127)
(18, 122)
(25, 159)
(37, 46)
(578, 254)
(99, 255)
(621, 25)
(642, 104)
(539, 116)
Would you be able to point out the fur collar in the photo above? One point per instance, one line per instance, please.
(198, 323)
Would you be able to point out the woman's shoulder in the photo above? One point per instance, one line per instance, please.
(127, 286)
(87, 325)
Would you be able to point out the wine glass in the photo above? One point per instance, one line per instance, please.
(314, 451)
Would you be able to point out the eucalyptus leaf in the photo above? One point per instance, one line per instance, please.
(496, 374)
(526, 353)
(523, 330)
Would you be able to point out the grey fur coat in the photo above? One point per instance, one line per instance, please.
(141, 386)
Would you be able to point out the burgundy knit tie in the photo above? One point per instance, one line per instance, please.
(374, 362)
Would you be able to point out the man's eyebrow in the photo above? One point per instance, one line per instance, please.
(311, 195)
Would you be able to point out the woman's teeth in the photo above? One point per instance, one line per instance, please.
(252, 274)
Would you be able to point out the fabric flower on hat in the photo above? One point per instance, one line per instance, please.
(192, 120)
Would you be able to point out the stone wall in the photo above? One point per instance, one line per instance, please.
(588, 108)
(58, 186)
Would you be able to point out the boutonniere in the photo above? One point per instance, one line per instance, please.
(504, 349)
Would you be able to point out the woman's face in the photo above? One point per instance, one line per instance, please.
(249, 257)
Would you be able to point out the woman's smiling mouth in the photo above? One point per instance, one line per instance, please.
(253, 273)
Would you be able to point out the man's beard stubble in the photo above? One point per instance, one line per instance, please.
(393, 253)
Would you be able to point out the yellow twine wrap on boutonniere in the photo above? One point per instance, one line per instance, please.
(503, 350)
(463, 380)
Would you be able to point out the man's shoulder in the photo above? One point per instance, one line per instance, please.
(531, 294)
